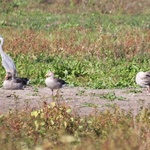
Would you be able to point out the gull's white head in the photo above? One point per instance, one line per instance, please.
(50, 74)
(140, 79)
(140, 74)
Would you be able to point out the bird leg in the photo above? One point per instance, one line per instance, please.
(57, 93)
(52, 92)
(148, 89)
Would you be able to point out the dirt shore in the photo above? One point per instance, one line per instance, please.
(82, 100)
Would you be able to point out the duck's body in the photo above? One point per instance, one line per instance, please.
(53, 82)
(143, 79)
(15, 83)
(11, 85)
(25, 81)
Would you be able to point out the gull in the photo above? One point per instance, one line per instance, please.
(7, 61)
(143, 79)
(15, 83)
(52, 82)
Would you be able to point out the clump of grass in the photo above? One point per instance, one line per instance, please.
(57, 126)
(133, 91)
(87, 104)
(111, 96)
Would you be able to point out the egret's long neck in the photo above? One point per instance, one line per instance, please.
(1, 44)
(2, 41)
(1, 50)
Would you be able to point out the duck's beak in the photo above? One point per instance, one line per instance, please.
(46, 75)
(6, 77)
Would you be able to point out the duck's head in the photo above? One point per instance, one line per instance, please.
(9, 74)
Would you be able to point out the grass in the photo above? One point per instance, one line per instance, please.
(86, 104)
(111, 96)
(80, 71)
(81, 47)
(96, 44)
(56, 126)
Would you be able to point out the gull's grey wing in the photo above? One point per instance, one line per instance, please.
(60, 81)
(147, 74)
(146, 78)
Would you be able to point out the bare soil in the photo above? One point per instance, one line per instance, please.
(83, 100)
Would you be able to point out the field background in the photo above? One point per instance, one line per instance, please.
(97, 44)
(87, 43)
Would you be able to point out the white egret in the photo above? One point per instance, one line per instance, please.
(7, 61)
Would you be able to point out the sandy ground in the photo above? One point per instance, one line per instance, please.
(82, 100)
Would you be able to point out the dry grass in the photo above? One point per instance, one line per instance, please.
(122, 44)
(80, 6)
(55, 126)
(103, 6)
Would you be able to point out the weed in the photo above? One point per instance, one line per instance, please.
(86, 104)
(36, 89)
(81, 92)
(111, 96)
(133, 91)
(56, 125)
(112, 105)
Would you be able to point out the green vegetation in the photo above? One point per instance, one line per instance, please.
(98, 49)
(90, 43)
(55, 126)
(111, 96)
(86, 48)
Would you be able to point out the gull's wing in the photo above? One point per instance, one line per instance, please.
(146, 78)
(59, 81)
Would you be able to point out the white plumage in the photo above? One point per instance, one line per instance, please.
(7, 61)
(143, 79)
